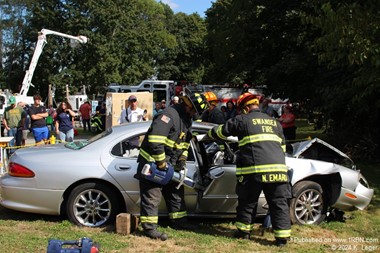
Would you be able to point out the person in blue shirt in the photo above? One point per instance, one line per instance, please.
(64, 122)
(157, 108)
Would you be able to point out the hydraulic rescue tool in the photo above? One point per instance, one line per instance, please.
(163, 177)
(83, 245)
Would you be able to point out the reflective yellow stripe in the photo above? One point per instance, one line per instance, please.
(170, 143)
(185, 145)
(262, 169)
(159, 157)
(259, 137)
(146, 156)
(185, 153)
(177, 215)
(182, 145)
(219, 132)
(283, 148)
(244, 227)
(152, 158)
(149, 219)
(157, 139)
(282, 233)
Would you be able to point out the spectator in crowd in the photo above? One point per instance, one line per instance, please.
(64, 122)
(26, 125)
(223, 108)
(38, 115)
(175, 100)
(163, 104)
(266, 107)
(288, 122)
(14, 117)
(51, 117)
(99, 106)
(85, 112)
(157, 108)
(131, 112)
(231, 109)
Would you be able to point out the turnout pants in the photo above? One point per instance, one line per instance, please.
(151, 194)
(248, 189)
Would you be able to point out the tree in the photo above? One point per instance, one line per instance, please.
(186, 60)
(261, 43)
(349, 46)
(129, 41)
(126, 40)
(13, 15)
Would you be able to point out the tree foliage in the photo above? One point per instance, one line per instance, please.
(325, 52)
(129, 41)
(349, 47)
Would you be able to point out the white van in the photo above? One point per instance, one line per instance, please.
(161, 89)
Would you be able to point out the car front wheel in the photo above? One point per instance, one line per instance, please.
(308, 205)
(92, 205)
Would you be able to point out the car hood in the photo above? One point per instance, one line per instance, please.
(318, 150)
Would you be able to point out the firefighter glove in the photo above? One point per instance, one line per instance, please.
(180, 165)
(161, 165)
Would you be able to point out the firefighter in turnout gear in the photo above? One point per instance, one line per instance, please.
(260, 167)
(167, 142)
(213, 114)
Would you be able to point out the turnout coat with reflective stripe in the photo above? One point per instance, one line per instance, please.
(261, 144)
(168, 136)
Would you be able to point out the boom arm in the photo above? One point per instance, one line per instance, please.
(27, 82)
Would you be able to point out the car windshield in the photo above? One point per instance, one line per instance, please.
(79, 144)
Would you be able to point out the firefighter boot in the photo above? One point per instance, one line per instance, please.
(154, 234)
(183, 224)
(241, 234)
(281, 242)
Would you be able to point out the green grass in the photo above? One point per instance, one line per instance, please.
(26, 233)
(306, 130)
(30, 233)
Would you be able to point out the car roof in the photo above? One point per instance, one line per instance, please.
(202, 127)
(299, 149)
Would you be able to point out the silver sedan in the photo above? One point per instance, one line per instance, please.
(91, 181)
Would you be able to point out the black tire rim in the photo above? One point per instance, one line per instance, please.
(92, 208)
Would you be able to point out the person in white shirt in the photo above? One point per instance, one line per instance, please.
(131, 113)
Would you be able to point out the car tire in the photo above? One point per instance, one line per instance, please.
(308, 205)
(92, 205)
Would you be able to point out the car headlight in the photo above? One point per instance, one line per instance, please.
(363, 181)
